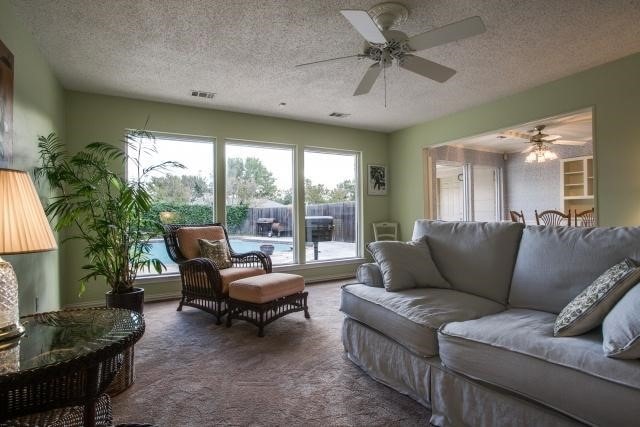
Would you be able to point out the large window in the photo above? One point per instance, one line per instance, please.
(331, 188)
(184, 196)
(259, 199)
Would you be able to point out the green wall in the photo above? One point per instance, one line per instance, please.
(96, 117)
(38, 109)
(612, 89)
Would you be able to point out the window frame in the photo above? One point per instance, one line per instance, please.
(359, 173)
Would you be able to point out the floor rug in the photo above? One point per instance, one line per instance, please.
(191, 372)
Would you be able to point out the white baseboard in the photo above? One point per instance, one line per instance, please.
(176, 295)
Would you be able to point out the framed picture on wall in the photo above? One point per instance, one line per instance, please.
(377, 180)
(6, 105)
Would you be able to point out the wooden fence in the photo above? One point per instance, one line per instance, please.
(344, 219)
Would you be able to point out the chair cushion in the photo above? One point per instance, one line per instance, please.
(474, 257)
(588, 309)
(265, 288)
(516, 350)
(556, 263)
(621, 327)
(217, 251)
(406, 265)
(412, 317)
(232, 274)
(188, 238)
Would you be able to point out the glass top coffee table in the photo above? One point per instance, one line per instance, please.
(65, 358)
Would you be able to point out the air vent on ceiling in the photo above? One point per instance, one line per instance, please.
(339, 115)
(202, 94)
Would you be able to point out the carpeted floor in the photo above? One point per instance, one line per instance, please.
(190, 372)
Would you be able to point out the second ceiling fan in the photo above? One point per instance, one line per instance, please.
(385, 46)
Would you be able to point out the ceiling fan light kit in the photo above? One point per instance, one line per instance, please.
(385, 46)
(541, 155)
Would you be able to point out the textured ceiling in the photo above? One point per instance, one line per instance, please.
(245, 52)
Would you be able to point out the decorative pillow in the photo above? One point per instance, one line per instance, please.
(217, 251)
(406, 265)
(587, 310)
(621, 327)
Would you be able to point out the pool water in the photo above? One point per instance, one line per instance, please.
(159, 249)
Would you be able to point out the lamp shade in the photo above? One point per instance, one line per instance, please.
(24, 226)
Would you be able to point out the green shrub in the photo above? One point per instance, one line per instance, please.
(236, 215)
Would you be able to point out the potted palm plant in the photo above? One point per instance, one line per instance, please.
(94, 203)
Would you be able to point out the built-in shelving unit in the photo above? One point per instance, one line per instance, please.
(578, 183)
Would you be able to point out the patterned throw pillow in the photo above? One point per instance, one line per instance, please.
(589, 308)
(217, 251)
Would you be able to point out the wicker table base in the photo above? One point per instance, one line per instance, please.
(125, 376)
(263, 314)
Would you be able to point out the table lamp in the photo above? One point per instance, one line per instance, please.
(23, 229)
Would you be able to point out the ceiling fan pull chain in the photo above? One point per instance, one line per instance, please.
(384, 76)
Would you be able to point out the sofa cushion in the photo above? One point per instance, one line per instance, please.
(588, 309)
(369, 274)
(556, 263)
(413, 316)
(474, 257)
(516, 349)
(621, 327)
(406, 265)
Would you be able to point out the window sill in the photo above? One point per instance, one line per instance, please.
(175, 277)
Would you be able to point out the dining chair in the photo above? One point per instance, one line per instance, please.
(553, 217)
(587, 218)
(517, 216)
(385, 231)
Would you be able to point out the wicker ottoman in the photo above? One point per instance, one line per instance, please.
(265, 298)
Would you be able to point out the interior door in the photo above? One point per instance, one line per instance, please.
(450, 197)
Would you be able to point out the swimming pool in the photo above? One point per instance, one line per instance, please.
(159, 249)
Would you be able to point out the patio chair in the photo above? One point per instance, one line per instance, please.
(553, 217)
(204, 286)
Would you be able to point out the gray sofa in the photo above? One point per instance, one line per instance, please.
(483, 352)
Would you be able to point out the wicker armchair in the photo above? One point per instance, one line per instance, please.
(204, 286)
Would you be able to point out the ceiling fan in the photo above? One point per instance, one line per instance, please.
(385, 46)
(537, 139)
(539, 150)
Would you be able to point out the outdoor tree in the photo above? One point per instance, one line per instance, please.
(345, 191)
(315, 193)
(179, 189)
(249, 179)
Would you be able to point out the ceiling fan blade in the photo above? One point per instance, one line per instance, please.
(449, 33)
(363, 24)
(426, 68)
(368, 80)
(516, 134)
(567, 142)
(550, 138)
(331, 59)
(528, 149)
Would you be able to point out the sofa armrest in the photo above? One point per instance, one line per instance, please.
(370, 275)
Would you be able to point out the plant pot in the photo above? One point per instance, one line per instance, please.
(267, 249)
(133, 300)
